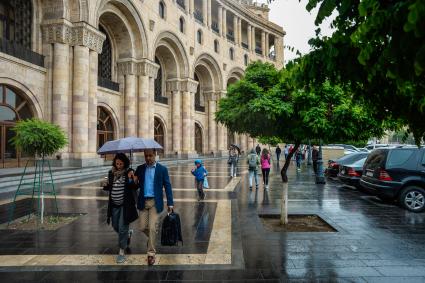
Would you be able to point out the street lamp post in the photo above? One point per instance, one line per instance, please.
(320, 177)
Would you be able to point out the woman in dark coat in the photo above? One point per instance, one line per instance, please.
(122, 201)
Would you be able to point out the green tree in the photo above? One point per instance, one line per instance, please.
(378, 47)
(269, 103)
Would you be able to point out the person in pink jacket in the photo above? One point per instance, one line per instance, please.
(265, 167)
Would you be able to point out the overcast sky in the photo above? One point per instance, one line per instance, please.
(297, 22)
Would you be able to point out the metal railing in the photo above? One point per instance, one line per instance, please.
(258, 50)
(245, 45)
(214, 27)
(199, 108)
(18, 51)
(107, 83)
(181, 4)
(198, 16)
(161, 99)
(230, 37)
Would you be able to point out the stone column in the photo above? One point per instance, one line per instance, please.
(235, 29)
(92, 105)
(209, 18)
(191, 7)
(249, 37)
(239, 31)
(224, 23)
(243, 142)
(127, 69)
(263, 42)
(220, 19)
(253, 44)
(205, 12)
(151, 132)
(80, 96)
(60, 88)
(212, 125)
(266, 53)
(176, 105)
(188, 87)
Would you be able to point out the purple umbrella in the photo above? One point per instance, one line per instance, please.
(128, 145)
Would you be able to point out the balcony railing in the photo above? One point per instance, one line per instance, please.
(181, 4)
(230, 36)
(161, 99)
(107, 83)
(198, 15)
(21, 52)
(245, 45)
(258, 50)
(199, 108)
(214, 27)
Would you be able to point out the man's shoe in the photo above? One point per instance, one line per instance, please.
(121, 259)
(130, 233)
(151, 260)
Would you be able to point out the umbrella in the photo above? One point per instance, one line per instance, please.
(129, 144)
(237, 147)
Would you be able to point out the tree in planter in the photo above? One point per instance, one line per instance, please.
(39, 139)
(269, 103)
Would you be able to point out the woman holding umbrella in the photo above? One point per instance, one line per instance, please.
(122, 201)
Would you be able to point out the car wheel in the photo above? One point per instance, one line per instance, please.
(413, 199)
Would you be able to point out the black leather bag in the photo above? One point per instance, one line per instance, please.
(171, 233)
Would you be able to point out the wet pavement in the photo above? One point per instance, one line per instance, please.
(224, 239)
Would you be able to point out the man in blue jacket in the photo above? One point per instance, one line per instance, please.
(152, 178)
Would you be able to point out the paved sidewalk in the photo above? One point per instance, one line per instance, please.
(225, 240)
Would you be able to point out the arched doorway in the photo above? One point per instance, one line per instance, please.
(105, 127)
(13, 107)
(159, 135)
(198, 139)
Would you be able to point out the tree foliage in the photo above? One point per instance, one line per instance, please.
(378, 48)
(36, 137)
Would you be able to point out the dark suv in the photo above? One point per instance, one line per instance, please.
(397, 174)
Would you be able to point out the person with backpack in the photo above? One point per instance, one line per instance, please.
(200, 174)
(122, 201)
(153, 179)
(253, 162)
(233, 161)
(265, 167)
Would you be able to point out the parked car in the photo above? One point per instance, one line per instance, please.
(334, 165)
(397, 174)
(350, 174)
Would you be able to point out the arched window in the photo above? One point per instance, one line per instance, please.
(216, 45)
(159, 134)
(105, 126)
(198, 139)
(231, 54)
(158, 81)
(13, 107)
(105, 58)
(199, 36)
(161, 9)
(16, 26)
(245, 59)
(181, 21)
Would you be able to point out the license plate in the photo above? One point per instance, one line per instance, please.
(370, 174)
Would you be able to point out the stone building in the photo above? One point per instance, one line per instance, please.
(106, 69)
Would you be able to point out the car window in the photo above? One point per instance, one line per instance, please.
(350, 158)
(398, 157)
(376, 159)
(359, 163)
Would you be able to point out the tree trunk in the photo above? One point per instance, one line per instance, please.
(283, 173)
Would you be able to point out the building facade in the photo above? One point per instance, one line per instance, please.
(107, 69)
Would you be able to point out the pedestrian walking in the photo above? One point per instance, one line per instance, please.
(253, 162)
(298, 158)
(122, 202)
(278, 152)
(265, 167)
(258, 149)
(286, 151)
(233, 161)
(315, 157)
(152, 178)
(200, 174)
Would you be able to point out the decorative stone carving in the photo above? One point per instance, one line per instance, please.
(126, 67)
(191, 50)
(151, 25)
(146, 67)
(77, 34)
(211, 95)
(189, 85)
(173, 84)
